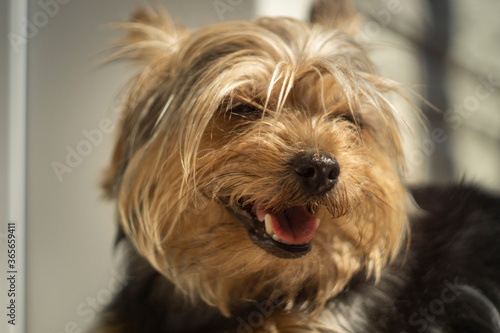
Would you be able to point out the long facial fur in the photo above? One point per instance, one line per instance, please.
(219, 112)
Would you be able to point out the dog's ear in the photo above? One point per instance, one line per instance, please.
(151, 35)
(152, 40)
(336, 14)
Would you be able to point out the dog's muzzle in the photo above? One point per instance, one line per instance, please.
(288, 233)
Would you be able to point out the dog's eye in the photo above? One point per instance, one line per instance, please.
(246, 111)
(349, 116)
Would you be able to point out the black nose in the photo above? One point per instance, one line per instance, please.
(317, 173)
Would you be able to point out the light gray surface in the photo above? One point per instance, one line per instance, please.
(70, 228)
(3, 111)
(3, 142)
(476, 48)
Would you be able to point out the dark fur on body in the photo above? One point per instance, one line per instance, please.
(455, 242)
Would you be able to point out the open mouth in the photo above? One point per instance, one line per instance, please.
(286, 234)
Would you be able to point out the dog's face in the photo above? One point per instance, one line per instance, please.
(257, 157)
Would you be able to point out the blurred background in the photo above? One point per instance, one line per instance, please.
(446, 51)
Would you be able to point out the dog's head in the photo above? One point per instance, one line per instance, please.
(256, 157)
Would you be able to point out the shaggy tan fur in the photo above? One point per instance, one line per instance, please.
(218, 113)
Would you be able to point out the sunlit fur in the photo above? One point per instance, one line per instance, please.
(220, 112)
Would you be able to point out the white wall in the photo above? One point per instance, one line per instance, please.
(291, 8)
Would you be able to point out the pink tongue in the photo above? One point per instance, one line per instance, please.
(294, 225)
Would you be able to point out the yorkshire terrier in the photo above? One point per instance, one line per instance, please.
(257, 177)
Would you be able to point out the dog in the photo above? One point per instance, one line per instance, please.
(258, 181)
